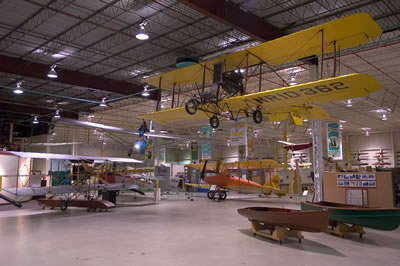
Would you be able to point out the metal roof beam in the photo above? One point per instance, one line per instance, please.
(31, 69)
(233, 15)
(34, 110)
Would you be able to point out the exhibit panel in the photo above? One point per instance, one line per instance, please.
(375, 187)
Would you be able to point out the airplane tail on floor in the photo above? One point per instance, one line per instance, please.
(272, 186)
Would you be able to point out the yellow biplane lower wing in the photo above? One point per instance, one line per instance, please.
(206, 186)
(278, 103)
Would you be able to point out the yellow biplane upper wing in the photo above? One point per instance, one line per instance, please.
(346, 32)
(277, 103)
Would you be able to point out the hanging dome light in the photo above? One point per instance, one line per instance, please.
(52, 73)
(142, 34)
(349, 103)
(35, 120)
(145, 91)
(57, 114)
(103, 102)
(18, 89)
(292, 79)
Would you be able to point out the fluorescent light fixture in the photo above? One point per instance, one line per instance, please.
(35, 120)
(58, 55)
(145, 91)
(18, 89)
(57, 114)
(305, 120)
(142, 34)
(163, 131)
(103, 102)
(349, 103)
(52, 73)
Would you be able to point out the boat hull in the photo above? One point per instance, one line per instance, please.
(375, 218)
(309, 221)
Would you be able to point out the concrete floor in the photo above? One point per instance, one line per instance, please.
(176, 232)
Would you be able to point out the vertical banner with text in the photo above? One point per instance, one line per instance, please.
(206, 145)
(334, 141)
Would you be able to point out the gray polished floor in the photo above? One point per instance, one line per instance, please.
(175, 232)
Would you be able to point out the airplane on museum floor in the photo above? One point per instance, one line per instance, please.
(144, 135)
(69, 192)
(227, 96)
(295, 146)
(222, 181)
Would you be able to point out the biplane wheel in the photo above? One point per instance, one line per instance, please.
(214, 122)
(257, 116)
(63, 205)
(222, 195)
(211, 195)
(191, 106)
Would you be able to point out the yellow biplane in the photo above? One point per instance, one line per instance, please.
(227, 96)
(220, 181)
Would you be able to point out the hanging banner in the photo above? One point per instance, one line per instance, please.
(334, 141)
(239, 132)
(194, 146)
(206, 145)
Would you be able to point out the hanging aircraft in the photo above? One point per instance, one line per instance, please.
(295, 146)
(144, 135)
(69, 193)
(222, 181)
(227, 96)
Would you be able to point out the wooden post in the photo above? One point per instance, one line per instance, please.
(247, 71)
(16, 185)
(204, 80)
(159, 95)
(322, 53)
(260, 78)
(173, 95)
(334, 58)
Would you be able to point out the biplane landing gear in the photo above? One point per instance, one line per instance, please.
(63, 205)
(257, 116)
(214, 122)
(222, 195)
(211, 195)
(191, 106)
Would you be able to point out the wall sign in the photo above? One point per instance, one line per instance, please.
(356, 180)
(206, 145)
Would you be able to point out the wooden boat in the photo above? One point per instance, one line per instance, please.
(376, 218)
(310, 221)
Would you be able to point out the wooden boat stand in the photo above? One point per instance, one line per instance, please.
(342, 229)
(277, 233)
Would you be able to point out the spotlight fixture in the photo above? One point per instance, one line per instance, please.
(349, 103)
(142, 34)
(52, 73)
(103, 102)
(35, 120)
(18, 89)
(57, 114)
(145, 91)
(292, 79)
(385, 117)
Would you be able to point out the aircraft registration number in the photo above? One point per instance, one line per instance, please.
(307, 91)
